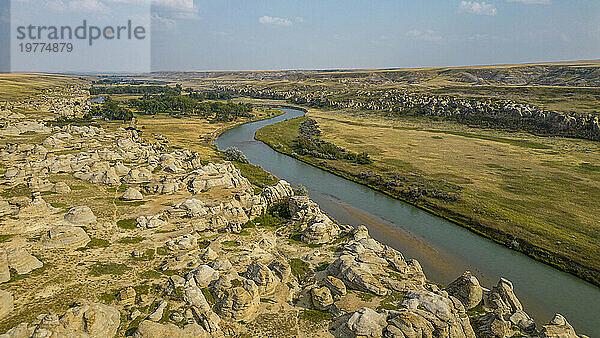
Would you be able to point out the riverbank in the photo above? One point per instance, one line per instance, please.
(518, 243)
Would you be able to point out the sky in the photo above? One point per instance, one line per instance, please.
(323, 34)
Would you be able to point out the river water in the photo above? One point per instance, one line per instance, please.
(444, 249)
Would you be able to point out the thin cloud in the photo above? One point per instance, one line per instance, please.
(532, 2)
(425, 35)
(175, 9)
(479, 8)
(89, 6)
(162, 24)
(271, 20)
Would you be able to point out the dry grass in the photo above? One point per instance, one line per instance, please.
(17, 86)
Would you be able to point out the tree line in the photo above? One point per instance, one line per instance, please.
(179, 105)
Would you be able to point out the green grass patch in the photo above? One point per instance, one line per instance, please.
(589, 168)
(148, 255)
(127, 224)
(14, 276)
(256, 175)
(267, 220)
(20, 189)
(391, 301)
(120, 202)
(315, 316)
(107, 297)
(209, 296)
(150, 274)
(322, 266)
(164, 231)
(230, 243)
(131, 240)
(364, 296)
(6, 238)
(204, 244)
(300, 269)
(162, 251)
(268, 300)
(99, 269)
(95, 243)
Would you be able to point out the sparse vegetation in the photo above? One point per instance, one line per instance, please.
(95, 243)
(315, 316)
(127, 224)
(131, 240)
(99, 269)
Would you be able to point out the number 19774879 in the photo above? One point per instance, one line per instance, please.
(43, 47)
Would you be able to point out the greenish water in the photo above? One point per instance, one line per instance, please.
(444, 249)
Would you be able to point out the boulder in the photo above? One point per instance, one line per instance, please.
(80, 215)
(492, 325)
(65, 236)
(203, 275)
(209, 255)
(192, 207)
(558, 327)
(237, 298)
(364, 322)
(127, 296)
(320, 232)
(281, 269)
(85, 320)
(336, 286)
(150, 329)
(221, 264)
(4, 270)
(467, 289)
(6, 303)
(264, 278)
(502, 298)
(183, 242)
(356, 275)
(321, 298)
(132, 194)
(277, 193)
(193, 296)
(22, 261)
(60, 188)
(158, 313)
(151, 222)
(446, 315)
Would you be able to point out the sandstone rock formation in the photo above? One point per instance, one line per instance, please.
(65, 236)
(80, 215)
(466, 288)
(132, 194)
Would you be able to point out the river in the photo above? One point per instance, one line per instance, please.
(444, 249)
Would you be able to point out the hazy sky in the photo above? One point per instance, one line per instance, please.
(316, 34)
(311, 34)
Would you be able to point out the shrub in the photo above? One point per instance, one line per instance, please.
(234, 154)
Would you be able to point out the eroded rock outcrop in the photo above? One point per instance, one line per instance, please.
(466, 288)
(65, 236)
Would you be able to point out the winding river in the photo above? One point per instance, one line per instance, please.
(444, 249)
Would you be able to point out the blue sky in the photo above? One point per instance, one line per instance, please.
(309, 34)
(318, 34)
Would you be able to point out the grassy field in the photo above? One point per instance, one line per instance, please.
(20, 86)
(540, 192)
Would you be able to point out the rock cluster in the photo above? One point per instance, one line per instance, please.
(485, 112)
